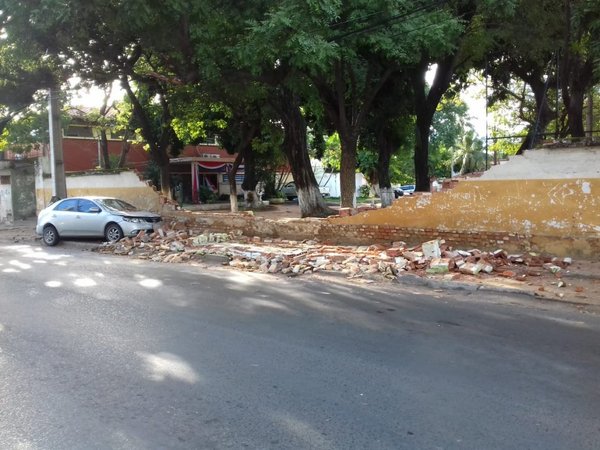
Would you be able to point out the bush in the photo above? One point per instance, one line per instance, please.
(364, 191)
(152, 174)
(278, 194)
(206, 195)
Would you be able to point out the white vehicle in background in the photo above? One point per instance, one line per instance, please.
(405, 189)
(324, 191)
(289, 191)
(408, 189)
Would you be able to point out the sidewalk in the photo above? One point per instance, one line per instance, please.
(19, 224)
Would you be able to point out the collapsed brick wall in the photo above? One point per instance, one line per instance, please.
(557, 216)
(329, 231)
(362, 234)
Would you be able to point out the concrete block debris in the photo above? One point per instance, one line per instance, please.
(431, 249)
(181, 243)
(470, 268)
(439, 265)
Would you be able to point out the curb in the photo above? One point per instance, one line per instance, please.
(416, 280)
(457, 286)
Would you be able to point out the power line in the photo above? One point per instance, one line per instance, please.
(360, 19)
(431, 25)
(356, 19)
(388, 20)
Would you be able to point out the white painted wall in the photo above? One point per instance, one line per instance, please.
(125, 185)
(331, 181)
(6, 212)
(548, 164)
(124, 179)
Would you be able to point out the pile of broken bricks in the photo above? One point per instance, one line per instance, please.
(178, 243)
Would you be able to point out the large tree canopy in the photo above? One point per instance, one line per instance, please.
(348, 51)
(357, 68)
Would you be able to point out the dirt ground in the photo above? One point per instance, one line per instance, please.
(287, 210)
(290, 209)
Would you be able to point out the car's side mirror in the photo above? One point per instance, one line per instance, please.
(94, 209)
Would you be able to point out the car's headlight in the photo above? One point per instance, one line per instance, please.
(132, 219)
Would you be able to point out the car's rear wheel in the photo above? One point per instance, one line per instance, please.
(50, 236)
(113, 232)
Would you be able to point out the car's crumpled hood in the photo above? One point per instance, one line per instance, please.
(135, 214)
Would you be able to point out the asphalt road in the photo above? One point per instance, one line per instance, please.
(107, 352)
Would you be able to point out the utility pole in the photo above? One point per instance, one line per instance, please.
(487, 138)
(59, 183)
(590, 115)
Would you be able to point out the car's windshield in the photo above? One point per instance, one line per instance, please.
(115, 204)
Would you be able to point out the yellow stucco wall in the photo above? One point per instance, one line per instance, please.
(140, 197)
(125, 185)
(567, 208)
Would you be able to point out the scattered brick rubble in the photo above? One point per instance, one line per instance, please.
(179, 243)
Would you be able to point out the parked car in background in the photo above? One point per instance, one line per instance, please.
(398, 192)
(405, 189)
(102, 217)
(408, 189)
(324, 191)
(289, 191)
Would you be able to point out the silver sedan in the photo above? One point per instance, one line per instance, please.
(105, 217)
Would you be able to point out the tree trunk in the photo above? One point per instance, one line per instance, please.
(105, 163)
(232, 184)
(249, 184)
(347, 107)
(386, 148)
(577, 76)
(421, 156)
(424, 118)
(165, 181)
(544, 114)
(125, 147)
(104, 109)
(425, 107)
(159, 145)
(348, 171)
(295, 148)
(575, 111)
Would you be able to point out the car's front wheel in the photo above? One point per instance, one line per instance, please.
(50, 236)
(113, 232)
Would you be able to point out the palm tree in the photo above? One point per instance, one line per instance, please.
(469, 154)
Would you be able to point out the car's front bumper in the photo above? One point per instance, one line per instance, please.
(131, 229)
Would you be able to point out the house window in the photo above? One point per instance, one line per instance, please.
(239, 178)
(79, 131)
(4, 179)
